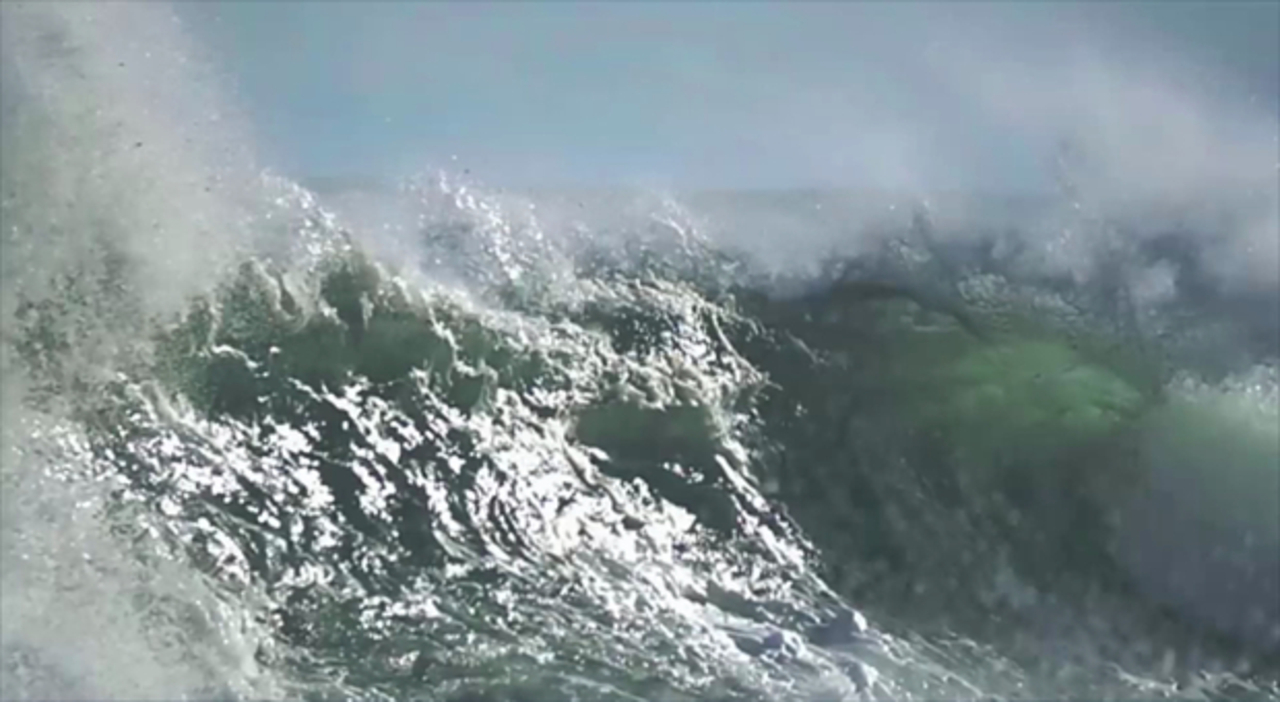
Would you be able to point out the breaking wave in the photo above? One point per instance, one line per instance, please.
(500, 452)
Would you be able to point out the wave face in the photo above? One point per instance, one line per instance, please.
(437, 443)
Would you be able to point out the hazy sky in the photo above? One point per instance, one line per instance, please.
(754, 94)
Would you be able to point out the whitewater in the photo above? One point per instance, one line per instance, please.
(265, 438)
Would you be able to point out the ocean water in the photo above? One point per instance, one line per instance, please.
(265, 439)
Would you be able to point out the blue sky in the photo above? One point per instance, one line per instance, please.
(741, 93)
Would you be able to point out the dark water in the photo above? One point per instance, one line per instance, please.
(604, 451)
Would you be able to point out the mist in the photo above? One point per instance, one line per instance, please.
(118, 138)
(1160, 113)
(1143, 119)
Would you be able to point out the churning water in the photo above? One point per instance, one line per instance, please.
(263, 440)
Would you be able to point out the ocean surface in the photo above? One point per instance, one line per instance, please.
(268, 439)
